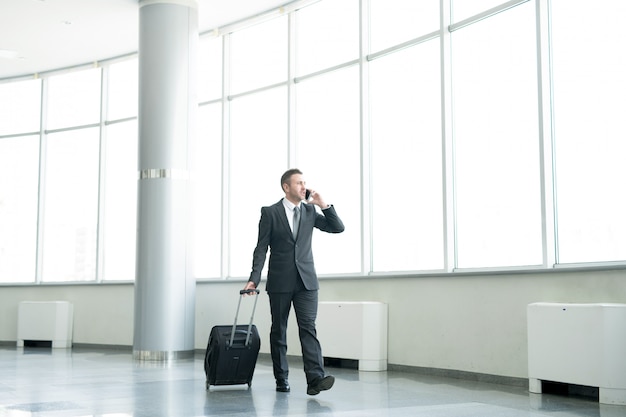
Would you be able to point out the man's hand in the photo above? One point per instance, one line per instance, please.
(317, 199)
(250, 286)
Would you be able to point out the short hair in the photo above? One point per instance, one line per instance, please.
(286, 178)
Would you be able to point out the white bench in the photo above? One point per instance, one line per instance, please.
(354, 330)
(48, 321)
(581, 344)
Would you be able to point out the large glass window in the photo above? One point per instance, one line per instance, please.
(123, 90)
(494, 79)
(74, 99)
(395, 21)
(20, 104)
(258, 157)
(328, 35)
(338, 109)
(328, 149)
(590, 135)
(207, 181)
(210, 69)
(463, 9)
(407, 193)
(259, 55)
(71, 206)
(19, 172)
(119, 228)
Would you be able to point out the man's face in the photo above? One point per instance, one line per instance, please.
(296, 188)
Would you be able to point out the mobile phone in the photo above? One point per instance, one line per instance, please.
(307, 194)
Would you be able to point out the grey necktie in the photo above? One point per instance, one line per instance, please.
(296, 221)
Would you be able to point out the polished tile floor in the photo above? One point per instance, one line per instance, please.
(107, 382)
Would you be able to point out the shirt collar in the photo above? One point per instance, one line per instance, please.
(288, 204)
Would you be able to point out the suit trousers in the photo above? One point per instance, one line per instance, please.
(305, 306)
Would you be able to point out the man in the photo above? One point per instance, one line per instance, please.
(291, 277)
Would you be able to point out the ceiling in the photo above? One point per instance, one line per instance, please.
(43, 35)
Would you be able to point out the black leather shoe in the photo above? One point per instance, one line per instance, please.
(320, 385)
(282, 385)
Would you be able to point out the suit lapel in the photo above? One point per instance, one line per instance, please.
(282, 217)
(303, 215)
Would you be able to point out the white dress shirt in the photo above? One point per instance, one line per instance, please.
(289, 206)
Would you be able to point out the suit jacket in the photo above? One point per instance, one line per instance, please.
(289, 256)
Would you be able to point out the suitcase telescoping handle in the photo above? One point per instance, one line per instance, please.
(241, 294)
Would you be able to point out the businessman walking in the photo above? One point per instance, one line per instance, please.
(286, 227)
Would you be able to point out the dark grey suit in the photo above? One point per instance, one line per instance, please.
(291, 278)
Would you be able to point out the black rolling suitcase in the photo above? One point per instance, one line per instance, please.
(232, 351)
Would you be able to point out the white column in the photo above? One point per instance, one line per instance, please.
(164, 284)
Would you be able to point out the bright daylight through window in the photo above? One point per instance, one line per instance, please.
(464, 140)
